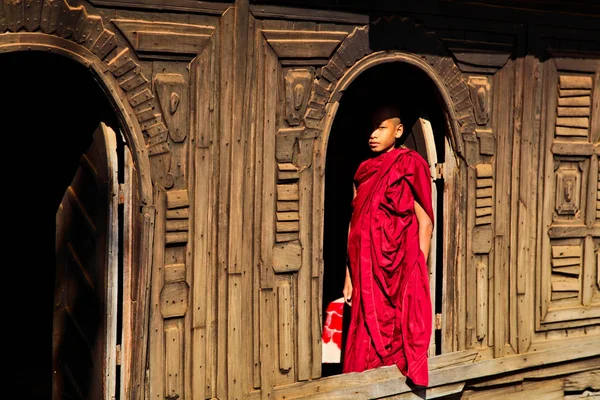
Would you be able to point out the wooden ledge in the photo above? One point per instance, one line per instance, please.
(448, 373)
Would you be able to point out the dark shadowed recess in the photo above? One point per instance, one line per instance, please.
(50, 106)
(396, 83)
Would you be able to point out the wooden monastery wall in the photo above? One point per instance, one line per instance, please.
(235, 103)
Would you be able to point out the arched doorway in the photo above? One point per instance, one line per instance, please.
(413, 91)
(51, 106)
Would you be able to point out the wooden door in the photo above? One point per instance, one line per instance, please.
(85, 306)
(425, 146)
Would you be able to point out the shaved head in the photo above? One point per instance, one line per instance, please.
(386, 112)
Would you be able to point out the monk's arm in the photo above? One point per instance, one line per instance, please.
(425, 229)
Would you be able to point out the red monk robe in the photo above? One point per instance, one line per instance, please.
(391, 305)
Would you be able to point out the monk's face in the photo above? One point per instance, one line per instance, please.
(384, 135)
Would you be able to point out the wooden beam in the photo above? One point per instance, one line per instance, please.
(204, 7)
(388, 381)
(278, 12)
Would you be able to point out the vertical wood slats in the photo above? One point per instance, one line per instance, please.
(204, 278)
(527, 215)
(173, 340)
(257, 219)
(284, 319)
(157, 334)
(468, 286)
(237, 111)
(544, 291)
(129, 231)
(269, 78)
(515, 177)
(502, 206)
(227, 43)
(451, 252)
(304, 332)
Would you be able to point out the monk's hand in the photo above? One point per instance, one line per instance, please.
(348, 290)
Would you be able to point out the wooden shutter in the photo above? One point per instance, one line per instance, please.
(425, 145)
(85, 314)
(569, 290)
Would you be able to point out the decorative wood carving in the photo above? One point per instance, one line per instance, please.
(568, 189)
(487, 142)
(177, 223)
(303, 44)
(568, 294)
(485, 191)
(286, 143)
(152, 38)
(172, 94)
(297, 87)
(566, 270)
(480, 94)
(357, 45)
(574, 102)
(58, 18)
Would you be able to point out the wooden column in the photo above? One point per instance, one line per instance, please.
(502, 127)
(527, 204)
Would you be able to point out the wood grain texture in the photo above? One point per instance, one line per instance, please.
(156, 333)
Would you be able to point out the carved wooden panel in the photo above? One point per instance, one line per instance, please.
(574, 102)
(177, 224)
(568, 190)
(285, 312)
(303, 44)
(151, 38)
(298, 83)
(485, 191)
(174, 333)
(487, 142)
(172, 94)
(480, 95)
(566, 273)
(571, 199)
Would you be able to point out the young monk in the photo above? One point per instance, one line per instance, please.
(387, 281)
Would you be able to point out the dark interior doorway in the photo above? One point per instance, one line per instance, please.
(50, 106)
(414, 92)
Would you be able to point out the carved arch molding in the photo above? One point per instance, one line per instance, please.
(75, 24)
(310, 92)
(385, 34)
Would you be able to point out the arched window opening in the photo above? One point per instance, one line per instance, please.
(415, 94)
(52, 106)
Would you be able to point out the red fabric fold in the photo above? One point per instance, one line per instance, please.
(391, 305)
